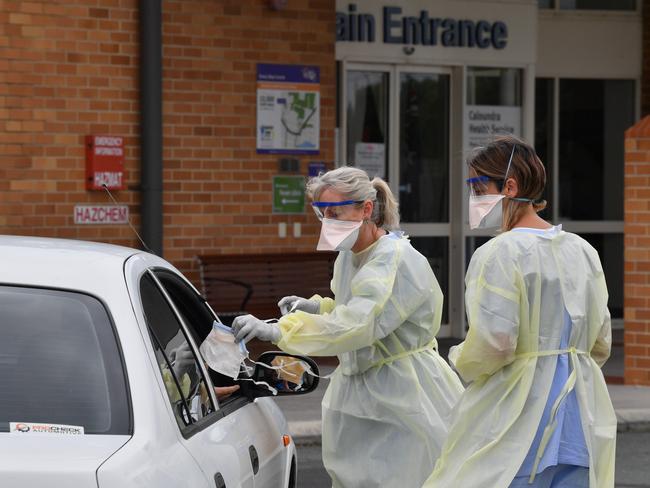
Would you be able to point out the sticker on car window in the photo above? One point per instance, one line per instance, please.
(31, 428)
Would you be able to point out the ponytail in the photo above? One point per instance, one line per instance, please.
(386, 212)
(355, 184)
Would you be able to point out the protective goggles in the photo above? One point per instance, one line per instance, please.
(332, 210)
(478, 185)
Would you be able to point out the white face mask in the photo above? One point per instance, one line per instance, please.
(221, 352)
(338, 235)
(485, 211)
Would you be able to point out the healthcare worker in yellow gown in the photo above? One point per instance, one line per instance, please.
(537, 411)
(385, 410)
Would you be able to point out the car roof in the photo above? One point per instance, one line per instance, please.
(62, 263)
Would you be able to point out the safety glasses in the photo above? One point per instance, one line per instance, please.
(332, 210)
(478, 185)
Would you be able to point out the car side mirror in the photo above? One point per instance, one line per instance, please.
(289, 374)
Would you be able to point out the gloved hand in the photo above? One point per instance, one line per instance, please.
(246, 327)
(292, 303)
(182, 360)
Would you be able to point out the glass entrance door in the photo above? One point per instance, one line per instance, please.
(423, 120)
(397, 126)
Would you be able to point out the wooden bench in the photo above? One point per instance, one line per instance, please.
(236, 284)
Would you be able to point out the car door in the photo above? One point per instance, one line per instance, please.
(219, 447)
(258, 428)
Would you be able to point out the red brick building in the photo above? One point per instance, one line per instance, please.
(570, 75)
(70, 69)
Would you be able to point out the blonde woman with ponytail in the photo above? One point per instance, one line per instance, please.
(385, 410)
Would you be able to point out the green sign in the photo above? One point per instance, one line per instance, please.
(288, 194)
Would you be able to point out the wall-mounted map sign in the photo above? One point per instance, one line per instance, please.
(288, 109)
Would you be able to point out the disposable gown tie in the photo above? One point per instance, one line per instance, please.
(431, 346)
(564, 392)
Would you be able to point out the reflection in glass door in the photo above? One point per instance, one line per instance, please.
(397, 126)
(424, 147)
(367, 127)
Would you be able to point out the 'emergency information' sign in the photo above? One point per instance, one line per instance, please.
(101, 214)
(104, 162)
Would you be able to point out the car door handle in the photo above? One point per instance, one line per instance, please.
(255, 460)
(219, 481)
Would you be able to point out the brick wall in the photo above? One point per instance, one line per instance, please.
(637, 253)
(68, 69)
(218, 189)
(71, 69)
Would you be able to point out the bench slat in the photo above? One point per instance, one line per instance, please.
(270, 276)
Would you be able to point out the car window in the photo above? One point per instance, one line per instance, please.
(186, 387)
(198, 318)
(196, 314)
(60, 362)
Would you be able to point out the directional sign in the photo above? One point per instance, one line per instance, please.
(288, 194)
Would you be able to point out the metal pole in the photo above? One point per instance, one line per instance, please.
(151, 123)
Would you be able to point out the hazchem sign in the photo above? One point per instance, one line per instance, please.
(104, 162)
(101, 214)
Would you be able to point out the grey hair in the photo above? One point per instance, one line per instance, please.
(354, 184)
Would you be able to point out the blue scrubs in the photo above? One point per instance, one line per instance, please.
(566, 448)
(562, 475)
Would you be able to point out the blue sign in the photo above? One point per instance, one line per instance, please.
(288, 73)
(317, 168)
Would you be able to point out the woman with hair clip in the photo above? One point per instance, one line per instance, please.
(537, 411)
(385, 408)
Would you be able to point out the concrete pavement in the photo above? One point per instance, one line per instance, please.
(632, 406)
(632, 467)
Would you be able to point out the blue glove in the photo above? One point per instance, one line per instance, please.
(246, 327)
(292, 303)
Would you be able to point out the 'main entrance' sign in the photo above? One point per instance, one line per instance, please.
(423, 30)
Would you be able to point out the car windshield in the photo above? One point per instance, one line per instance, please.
(59, 363)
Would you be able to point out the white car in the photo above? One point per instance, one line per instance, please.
(91, 394)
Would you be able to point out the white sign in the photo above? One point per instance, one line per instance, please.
(31, 428)
(483, 122)
(371, 158)
(101, 214)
